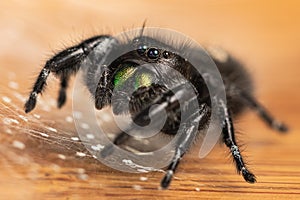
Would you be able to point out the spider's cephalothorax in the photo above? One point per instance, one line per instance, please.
(106, 73)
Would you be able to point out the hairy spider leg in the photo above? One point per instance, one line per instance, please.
(184, 142)
(103, 91)
(264, 114)
(62, 95)
(63, 64)
(230, 142)
(37, 88)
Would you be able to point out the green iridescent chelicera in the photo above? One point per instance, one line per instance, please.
(144, 79)
(122, 75)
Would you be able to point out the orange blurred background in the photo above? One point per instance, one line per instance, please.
(264, 35)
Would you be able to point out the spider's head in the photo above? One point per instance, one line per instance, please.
(133, 82)
(135, 79)
(144, 72)
(143, 65)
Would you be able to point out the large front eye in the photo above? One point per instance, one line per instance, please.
(153, 53)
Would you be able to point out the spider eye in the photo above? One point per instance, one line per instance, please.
(142, 49)
(153, 53)
(166, 54)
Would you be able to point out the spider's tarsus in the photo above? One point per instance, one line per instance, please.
(165, 182)
(107, 151)
(248, 176)
(99, 103)
(280, 127)
(61, 98)
(30, 103)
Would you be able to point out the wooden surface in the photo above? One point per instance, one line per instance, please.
(264, 36)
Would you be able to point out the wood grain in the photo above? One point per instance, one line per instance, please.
(265, 36)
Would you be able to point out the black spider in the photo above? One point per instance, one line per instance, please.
(149, 50)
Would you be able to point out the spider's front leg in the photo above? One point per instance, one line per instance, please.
(184, 142)
(103, 91)
(63, 65)
(229, 140)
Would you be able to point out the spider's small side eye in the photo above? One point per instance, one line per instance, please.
(153, 53)
(166, 54)
(135, 41)
(142, 49)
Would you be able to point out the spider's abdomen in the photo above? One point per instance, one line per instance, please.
(236, 80)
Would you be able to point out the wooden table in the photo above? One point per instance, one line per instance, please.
(38, 151)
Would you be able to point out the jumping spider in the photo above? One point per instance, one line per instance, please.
(238, 86)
